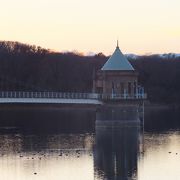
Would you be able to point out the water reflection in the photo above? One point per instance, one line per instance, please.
(70, 146)
(161, 159)
(60, 156)
(116, 151)
(45, 120)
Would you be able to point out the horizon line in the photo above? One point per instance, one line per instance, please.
(89, 53)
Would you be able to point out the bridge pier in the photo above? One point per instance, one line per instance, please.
(118, 113)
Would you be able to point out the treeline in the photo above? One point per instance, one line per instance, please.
(30, 68)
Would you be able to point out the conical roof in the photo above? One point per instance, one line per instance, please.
(117, 62)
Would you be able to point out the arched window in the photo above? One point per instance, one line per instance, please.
(122, 88)
(129, 88)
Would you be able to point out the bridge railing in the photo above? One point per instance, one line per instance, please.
(61, 95)
(65, 95)
(123, 96)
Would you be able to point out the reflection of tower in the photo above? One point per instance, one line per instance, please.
(116, 151)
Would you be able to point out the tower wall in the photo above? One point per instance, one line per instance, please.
(118, 82)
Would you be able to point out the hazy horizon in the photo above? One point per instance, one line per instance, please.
(142, 26)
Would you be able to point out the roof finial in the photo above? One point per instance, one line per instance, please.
(117, 44)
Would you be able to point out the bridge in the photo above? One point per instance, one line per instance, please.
(116, 94)
(65, 98)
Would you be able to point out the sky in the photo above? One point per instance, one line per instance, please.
(141, 26)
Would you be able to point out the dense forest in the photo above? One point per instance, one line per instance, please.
(30, 68)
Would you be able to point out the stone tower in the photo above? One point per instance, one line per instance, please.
(117, 76)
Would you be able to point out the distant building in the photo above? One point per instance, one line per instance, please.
(117, 76)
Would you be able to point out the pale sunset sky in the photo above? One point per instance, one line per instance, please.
(142, 26)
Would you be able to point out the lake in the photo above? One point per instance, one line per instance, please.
(54, 144)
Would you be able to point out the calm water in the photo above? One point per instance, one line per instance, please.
(49, 144)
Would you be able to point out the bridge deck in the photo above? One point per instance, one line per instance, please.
(50, 101)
